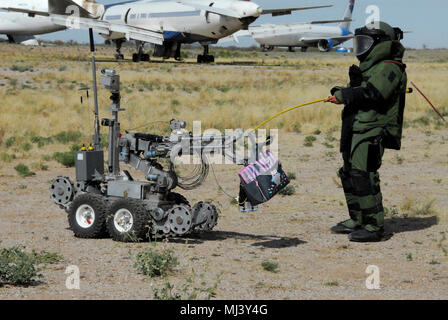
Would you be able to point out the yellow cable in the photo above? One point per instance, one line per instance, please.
(287, 110)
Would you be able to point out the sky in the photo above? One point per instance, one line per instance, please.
(425, 19)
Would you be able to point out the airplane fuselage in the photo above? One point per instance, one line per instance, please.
(294, 35)
(180, 22)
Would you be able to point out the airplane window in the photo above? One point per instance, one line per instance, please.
(143, 16)
(133, 16)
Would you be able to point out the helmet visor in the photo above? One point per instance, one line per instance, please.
(362, 44)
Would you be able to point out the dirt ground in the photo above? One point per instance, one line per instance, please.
(290, 230)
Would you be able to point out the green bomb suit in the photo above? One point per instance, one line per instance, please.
(372, 121)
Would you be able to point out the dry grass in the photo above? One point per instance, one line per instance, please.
(40, 94)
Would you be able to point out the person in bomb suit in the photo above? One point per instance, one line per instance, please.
(372, 120)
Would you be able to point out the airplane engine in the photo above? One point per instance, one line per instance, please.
(325, 45)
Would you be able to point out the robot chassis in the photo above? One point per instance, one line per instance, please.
(112, 202)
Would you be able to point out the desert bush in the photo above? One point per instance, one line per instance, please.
(21, 68)
(23, 170)
(45, 257)
(10, 141)
(155, 264)
(26, 146)
(288, 190)
(416, 208)
(67, 159)
(189, 291)
(270, 266)
(68, 136)
(18, 267)
(291, 176)
(41, 141)
(6, 157)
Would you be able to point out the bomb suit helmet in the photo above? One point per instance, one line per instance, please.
(367, 37)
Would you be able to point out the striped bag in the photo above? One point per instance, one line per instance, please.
(263, 179)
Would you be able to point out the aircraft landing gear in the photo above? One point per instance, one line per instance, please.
(303, 49)
(140, 55)
(291, 49)
(265, 48)
(206, 57)
(118, 55)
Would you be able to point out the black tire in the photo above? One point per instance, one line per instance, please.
(138, 230)
(178, 198)
(136, 57)
(145, 57)
(77, 221)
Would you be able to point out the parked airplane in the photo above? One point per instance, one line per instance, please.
(21, 28)
(302, 35)
(166, 24)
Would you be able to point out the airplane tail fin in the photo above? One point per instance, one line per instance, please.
(348, 15)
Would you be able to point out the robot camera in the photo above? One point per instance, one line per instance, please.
(110, 80)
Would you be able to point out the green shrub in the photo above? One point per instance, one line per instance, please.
(41, 141)
(5, 157)
(332, 284)
(10, 141)
(67, 159)
(68, 136)
(45, 257)
(23, 170)
(288, 190)
(18, 267)
(154, 264)
(270, 266)
(310, 139)
(291, 176)
(190, 290)
(224, 89)
(26, 146)
(184, 55)
(19, 68)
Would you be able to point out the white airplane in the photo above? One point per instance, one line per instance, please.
(302, 35)
(166, 24)
(21, 28)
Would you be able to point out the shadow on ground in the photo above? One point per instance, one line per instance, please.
(266, 241)
(401, 224)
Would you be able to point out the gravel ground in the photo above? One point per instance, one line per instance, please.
(292, 231)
